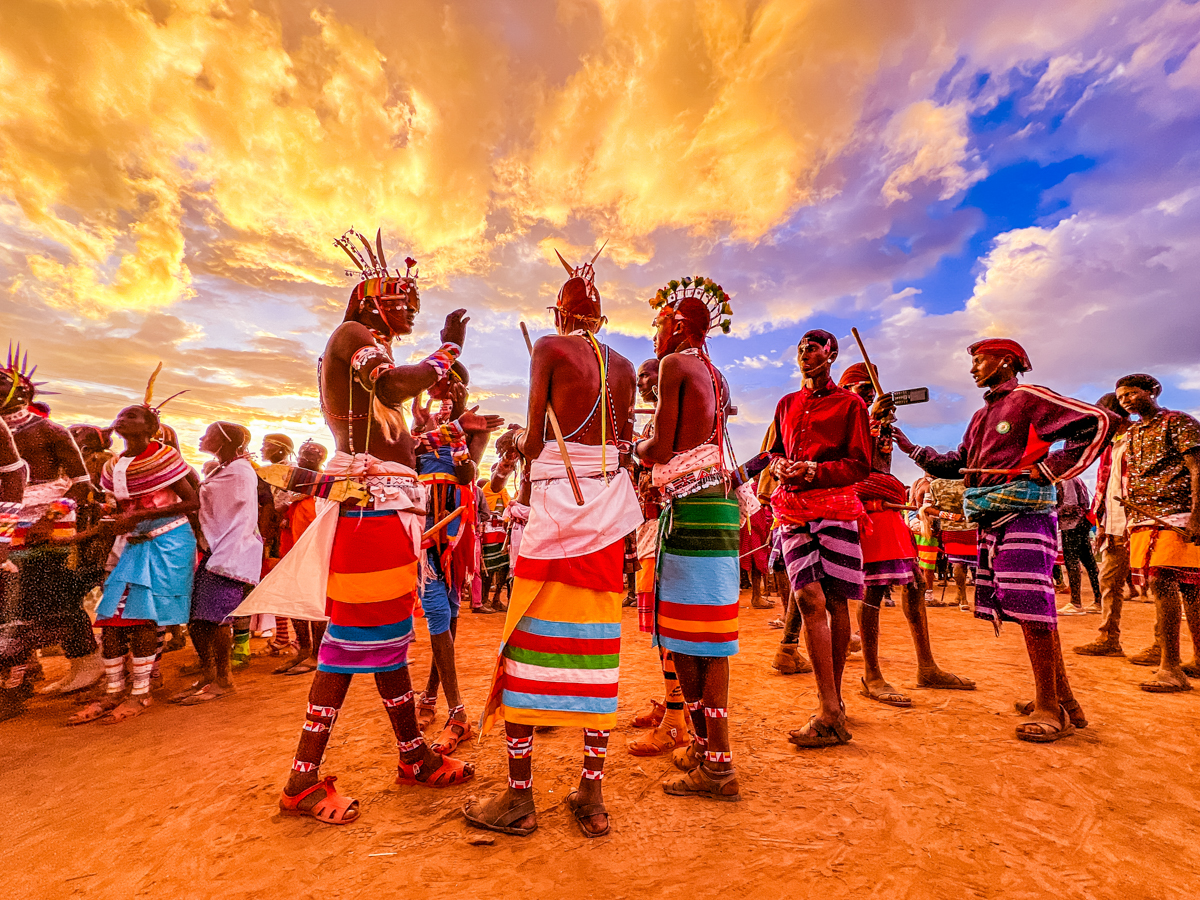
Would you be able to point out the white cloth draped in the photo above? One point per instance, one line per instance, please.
(558, 528)
(229, 522)
(296, 588)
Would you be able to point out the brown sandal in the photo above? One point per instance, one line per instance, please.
(687, 758)
(700, 782)
(426, 710)
(816, 734)
(1073, 710)
(582, 811)
(650, 717)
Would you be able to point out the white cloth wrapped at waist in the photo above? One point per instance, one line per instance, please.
(38, 497)
(559, 528)
(296, 588)
(706, 456)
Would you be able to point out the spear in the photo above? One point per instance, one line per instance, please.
(558, 435)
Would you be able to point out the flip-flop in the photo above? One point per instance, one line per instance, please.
(1044, 737)
(890, 698)
(958, 684)
(206, 694)
(1164, 687)
(1073, 710)
(302, 669)
(581, 811)
(94, 711)
(473, 812)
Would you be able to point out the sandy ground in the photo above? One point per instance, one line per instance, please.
(936, 801)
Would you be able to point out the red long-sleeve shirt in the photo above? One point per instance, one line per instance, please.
(829, 426)
(1015, 430)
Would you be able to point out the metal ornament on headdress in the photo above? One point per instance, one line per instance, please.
(21, 385)
(578, 297)
(376, 279)
(707, 291)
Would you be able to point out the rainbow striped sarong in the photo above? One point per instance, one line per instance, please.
(370, 594)
(696, 605)
(559, 658)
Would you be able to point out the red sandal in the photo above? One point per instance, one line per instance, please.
(332, 809)
(448, 774)
(452, 735)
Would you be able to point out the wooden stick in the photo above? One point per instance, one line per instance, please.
(1182, 532)
(442, 524)
(870, 368)
(558, 436)
(889, 505)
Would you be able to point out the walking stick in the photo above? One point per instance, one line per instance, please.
(442, 524)
(558, 436)
(1183, 533)
(870, 368)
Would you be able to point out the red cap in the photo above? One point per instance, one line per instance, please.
(1000, 346)
(856, 374)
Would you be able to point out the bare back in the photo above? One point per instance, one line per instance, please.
(565, 371)
(688, 402)
(50, 451)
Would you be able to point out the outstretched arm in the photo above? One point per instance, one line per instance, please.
(394, 385)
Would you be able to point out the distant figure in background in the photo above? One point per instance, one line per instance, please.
(1113, 543)
(296, 519)
(1075, 529)
(231, 558)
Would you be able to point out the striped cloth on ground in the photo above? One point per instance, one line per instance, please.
(696, 601)
(370, 594)
(825, 551)
(1014, 581)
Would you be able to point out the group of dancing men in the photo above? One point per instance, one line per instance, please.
(596, 499)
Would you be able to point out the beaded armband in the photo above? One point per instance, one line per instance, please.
(449, 435)
(443, 358)
(368, 363)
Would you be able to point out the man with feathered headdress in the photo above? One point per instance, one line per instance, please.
(50, 586)
(357, 564)
(696, 588)
(559, 655)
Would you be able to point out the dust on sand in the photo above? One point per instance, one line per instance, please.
(936, 801)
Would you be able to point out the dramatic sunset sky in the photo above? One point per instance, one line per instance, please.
(173, 173)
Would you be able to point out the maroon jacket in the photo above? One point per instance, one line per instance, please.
(1015, 430)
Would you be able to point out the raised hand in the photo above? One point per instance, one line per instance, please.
(422, 416)
(473, 423)
(455, 329)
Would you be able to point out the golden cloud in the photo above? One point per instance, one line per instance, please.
(144, 143)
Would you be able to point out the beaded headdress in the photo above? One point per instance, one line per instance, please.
(376, 279)
(670, 302)
(20, 388)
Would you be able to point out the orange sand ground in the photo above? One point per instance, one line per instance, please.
(936, 801)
